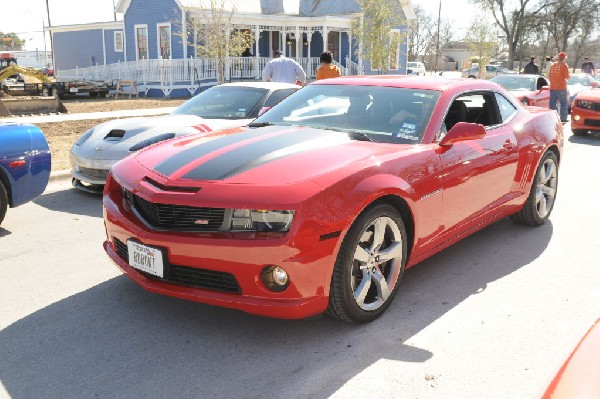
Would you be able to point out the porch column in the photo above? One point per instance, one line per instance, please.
(309, 40)
(283, 42)
(299, 41)
(256, 51)
(349, 46)
(340, 46)
(360, 63)
(184, 33)
(325, 33)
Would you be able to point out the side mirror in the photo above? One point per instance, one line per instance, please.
(263, 110)
(463, 131)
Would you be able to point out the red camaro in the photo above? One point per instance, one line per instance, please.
(322, 202)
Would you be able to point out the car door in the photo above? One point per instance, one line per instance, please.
(478, 174)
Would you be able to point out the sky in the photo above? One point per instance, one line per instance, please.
(27, 18)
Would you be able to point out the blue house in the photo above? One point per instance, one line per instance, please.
(163, 30)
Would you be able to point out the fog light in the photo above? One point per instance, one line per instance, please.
(275, 278)
(576, 117)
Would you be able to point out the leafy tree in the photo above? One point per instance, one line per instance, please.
(377, 32)
(11, 41)
(217, 36)
(482, 40)
(566, 20)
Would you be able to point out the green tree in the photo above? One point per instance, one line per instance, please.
(11, 41)
(218, 38)
(482, 40)
(377, 32)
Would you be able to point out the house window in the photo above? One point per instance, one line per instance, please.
(164, 40)
(141, 41)
(118, 39)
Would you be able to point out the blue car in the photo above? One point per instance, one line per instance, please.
(24, 164)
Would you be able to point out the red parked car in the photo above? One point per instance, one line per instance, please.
(322, 202)
(585, 112)
(528, 89)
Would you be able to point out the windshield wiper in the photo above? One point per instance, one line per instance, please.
(259, 124)
(360, 136)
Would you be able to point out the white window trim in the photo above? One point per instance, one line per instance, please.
(158, 26)
(135, 29)
(115, 34)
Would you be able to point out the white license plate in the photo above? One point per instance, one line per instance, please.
(145, 258)
(73, 89)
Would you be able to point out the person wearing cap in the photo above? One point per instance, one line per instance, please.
(327, 70)
(588, 67)
(531, 67)
(559, 74)
(284, 70)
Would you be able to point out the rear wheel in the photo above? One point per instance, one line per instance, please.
(542, 195)
(369, 266)
(579, 132)
(3, 202)
(93, 94)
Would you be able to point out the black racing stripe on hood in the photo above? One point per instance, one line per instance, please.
(179, 160)
(256, 154)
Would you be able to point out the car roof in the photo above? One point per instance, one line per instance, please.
(440, 83)
(262, 85)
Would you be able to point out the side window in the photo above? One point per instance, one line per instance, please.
(507, 110)
(277, 96)
(481, 108)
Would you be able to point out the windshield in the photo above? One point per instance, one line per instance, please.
(515, 83)
(578, 80)
(224, 102)
(412, 64)
(381, 114)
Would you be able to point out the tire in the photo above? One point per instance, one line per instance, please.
(46, 91)
(472, 77)
(102, 94)
(579, 132)
(3, 202)
(93, 94)
(363, 285)
(539, 203)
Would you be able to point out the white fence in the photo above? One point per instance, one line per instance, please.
(190, 74)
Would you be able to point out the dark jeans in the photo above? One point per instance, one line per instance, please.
(561, 97)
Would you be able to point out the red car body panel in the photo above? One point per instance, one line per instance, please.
(449, 192)
(586, 118)
(536, 98)
(579, 377)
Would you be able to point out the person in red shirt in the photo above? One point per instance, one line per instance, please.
(327, 70)
(558, 76)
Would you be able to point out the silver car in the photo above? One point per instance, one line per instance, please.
(490, 72)
(220, 107)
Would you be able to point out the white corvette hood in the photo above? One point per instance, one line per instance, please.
(114, 139)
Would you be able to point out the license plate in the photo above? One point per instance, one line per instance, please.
(145, 258)
(73, 89)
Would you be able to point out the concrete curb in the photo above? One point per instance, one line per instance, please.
(59, 175)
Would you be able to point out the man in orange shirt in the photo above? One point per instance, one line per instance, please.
(326, 70)
(558, 76)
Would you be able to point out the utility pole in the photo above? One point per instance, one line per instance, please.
(114, 11)
(51, 41)
(437, 40)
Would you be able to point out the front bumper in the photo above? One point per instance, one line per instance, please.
(583, 119)
(90, 171)
(309, 263)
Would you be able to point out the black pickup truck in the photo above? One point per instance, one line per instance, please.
(70, 88)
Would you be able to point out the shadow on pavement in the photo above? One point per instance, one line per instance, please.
(116, 340)
(591, 138)
(72, 201)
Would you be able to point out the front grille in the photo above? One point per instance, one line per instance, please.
(179, 217)
(592, 122)
(189, 276)
(94, 173)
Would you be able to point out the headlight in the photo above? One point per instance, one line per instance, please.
(84, 137)
(261, 220)
(585, 104)
(152, 140)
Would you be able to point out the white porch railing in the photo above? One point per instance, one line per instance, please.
(189, 74)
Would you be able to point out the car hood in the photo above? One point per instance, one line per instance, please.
(589, 94)
(574, 89)
(113, 139)
(274, 156)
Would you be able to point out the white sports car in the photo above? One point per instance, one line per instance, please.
(221, 107)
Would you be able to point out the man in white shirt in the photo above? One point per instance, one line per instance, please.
(284, 70)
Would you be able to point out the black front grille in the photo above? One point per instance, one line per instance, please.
(189, 276)
(94, 173)
(592, 122)
(179, 217)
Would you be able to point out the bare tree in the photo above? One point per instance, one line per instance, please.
(514, 18)
(217, 37)
(421, 34)
(566, 19)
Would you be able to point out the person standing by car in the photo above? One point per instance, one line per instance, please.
(531, 68)
(559, 74)
(547, 64)
(588, 67)
(284, 70)
(327, 70)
